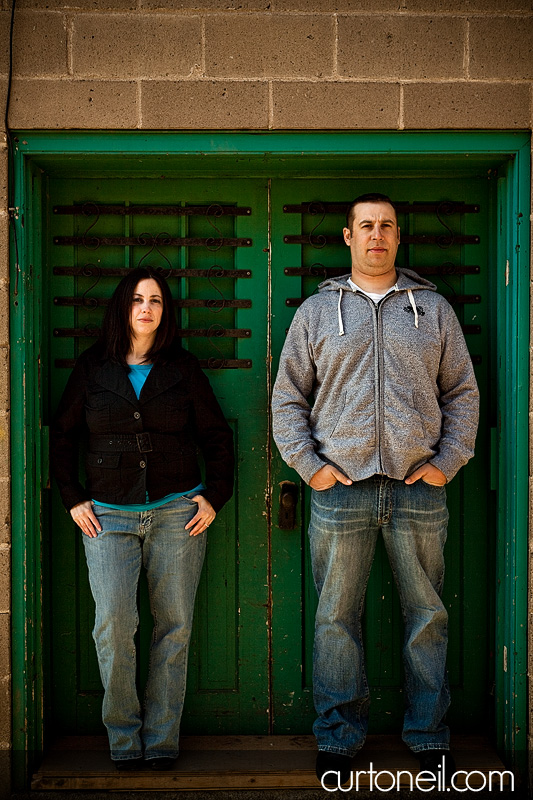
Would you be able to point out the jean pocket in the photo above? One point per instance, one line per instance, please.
(189, 499)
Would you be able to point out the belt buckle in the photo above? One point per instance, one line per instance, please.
(144, 442)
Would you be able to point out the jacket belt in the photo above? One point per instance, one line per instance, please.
(143, 442)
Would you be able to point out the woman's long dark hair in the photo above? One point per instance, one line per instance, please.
(115, 337)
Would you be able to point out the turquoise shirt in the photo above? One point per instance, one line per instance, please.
(138, 374)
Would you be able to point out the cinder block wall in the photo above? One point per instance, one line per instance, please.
(250, 64)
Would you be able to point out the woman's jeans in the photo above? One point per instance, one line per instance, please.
(345, 522)
(173, 561)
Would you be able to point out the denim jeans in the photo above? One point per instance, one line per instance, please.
(345, 522)
(173, 560)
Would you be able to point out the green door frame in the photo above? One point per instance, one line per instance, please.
(405, 151)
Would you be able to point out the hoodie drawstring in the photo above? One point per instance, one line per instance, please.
(341, 326)
(413, 306)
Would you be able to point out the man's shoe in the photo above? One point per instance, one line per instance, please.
(161, 763)
(440, 763)
(332, 769)
(129, 764)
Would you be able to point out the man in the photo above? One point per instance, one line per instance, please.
(394, 417)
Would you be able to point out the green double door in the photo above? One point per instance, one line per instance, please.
(240, 254)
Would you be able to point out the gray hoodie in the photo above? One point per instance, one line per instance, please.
(375, 389)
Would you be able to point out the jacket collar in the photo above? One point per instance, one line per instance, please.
(114, 377)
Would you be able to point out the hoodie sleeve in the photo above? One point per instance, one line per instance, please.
(290, 407)
(459, 399)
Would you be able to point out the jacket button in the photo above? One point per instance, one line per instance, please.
(137, 415)
(142, 464)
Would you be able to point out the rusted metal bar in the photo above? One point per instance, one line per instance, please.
(215, 332)
(446, 207)
(102, 302)
(93, 209)
(92, 242)
(320, 240)
(205, 363)
(459, 299)
(92, 271)
(317, 270)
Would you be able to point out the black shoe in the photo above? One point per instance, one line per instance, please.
(433, 761)
(332, 769)
(161, 763)
(128, 764)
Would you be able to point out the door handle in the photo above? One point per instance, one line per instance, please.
(288, 499)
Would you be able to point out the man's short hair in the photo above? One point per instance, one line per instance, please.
(370, 197)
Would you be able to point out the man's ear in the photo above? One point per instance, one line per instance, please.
(346, 236)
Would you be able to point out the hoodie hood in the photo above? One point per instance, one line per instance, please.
(407, 279)
(407, 282)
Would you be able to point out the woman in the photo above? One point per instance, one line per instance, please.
(145, 406)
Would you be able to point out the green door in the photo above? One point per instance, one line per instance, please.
(240, 254)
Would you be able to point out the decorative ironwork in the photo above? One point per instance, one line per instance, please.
(102, 302)
(319, 270)
(120, 272)
(446, 207)
(225, 363)
(149, 239)
(152, 211)
(460, 299)
(421, 238)
(92, 331)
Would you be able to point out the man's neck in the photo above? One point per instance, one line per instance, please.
(378, 284)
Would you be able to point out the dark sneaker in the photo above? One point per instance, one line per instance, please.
(161, 763)
(440, 763)
(332, 769)
(129, 764)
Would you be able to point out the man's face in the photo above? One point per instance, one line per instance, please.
(373, 240)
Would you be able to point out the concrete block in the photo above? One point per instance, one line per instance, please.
(5, 511)
(206, 5)
(466, 105)
(82, 5)
(73, 104)
(266, 45)
(5, 580)
(5, 17)
(337, 6)
(39, 44)
(4, 379)
(140, 45)
(401, 47)
(501, 47)
(205, 104)
(434, 6)
(4, 336)
(4, 445)
(3, 98)
(334, 105)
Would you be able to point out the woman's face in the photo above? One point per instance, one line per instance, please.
(146, 308)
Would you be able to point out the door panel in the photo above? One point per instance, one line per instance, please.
(439, 241)
(222, 314)
(225, 322)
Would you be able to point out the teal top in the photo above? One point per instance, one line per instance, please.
(137, 375)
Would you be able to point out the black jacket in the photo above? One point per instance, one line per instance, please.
(139, 445)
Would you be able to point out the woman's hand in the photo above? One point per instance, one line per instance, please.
(203, 517)
(83, 516)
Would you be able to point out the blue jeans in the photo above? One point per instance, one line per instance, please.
(345, 522)
(173, 560)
